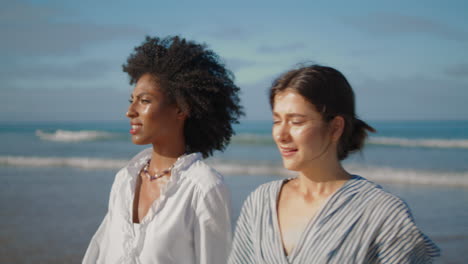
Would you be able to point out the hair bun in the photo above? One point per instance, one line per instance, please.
(358, 135)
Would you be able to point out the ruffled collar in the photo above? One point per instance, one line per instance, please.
(133, 169)
(182, 163)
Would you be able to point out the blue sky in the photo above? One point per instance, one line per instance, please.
(61, 60)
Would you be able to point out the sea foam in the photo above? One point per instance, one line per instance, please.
(427, 143)
(266, 139)
(378, 174)
(74, 162)
(73, 136)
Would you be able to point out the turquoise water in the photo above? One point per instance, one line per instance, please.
(434, 152)
(55, 179)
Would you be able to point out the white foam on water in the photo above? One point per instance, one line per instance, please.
(428, 143)
(410, 176)
(74, 162)
(73, 136)
(378, 174)
(265, 139)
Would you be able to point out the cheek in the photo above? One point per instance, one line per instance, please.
(153, 114)
(146, 110)
(302, 133)
(309, 137)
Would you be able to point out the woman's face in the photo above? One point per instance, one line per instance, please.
(300, 133)
(153, 120)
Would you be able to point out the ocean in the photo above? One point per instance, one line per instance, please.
(55, 179)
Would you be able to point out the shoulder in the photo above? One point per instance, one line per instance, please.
(268, 188)
(263, 194)
(259, 204)
(379, 201)
(203, 177)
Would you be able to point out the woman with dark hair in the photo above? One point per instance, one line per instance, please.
(324, 214)
(167, 205)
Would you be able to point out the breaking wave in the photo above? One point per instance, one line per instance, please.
(378, 174)
(74, 136)
(427, 143)
(265, 139)
(74, 162)
(256, 139)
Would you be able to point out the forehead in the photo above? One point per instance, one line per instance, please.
(291, 102)
(147, 84)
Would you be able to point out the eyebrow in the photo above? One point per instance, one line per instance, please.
(141, 94)
(290, 115)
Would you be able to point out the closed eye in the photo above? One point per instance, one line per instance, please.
(297, 122)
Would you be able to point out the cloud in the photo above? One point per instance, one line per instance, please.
(73, 103)
(387, 24)
(458, 71)
(91, 69)
(414, 97)
(29, 30)
(18, 12)
(59, 39)
(268, 49)
(229, 33)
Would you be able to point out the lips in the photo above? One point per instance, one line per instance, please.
(135, 127)
(287, 152)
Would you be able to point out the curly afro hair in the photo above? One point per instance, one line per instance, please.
(192, 77)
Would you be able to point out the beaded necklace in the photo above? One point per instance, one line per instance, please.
(158, 174)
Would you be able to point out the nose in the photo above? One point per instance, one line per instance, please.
(131, 111)
(281, 132)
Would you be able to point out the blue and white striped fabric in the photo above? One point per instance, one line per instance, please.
(360, 223)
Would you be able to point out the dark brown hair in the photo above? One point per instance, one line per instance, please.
(329, 91)
(194, 78)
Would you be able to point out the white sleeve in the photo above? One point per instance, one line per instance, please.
(212, 231)
(92, 253)
(97, 242)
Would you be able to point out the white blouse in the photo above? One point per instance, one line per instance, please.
(188, 223)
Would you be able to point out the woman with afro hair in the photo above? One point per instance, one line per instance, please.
(166, 205)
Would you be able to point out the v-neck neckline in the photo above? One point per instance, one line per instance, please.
(155, 204)
(312, 221)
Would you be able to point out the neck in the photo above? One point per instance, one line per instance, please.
(163, 157)
(322, 180)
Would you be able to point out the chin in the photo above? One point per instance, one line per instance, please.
(290, 166)
(139, 141)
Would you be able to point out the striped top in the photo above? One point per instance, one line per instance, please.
(359, 223)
